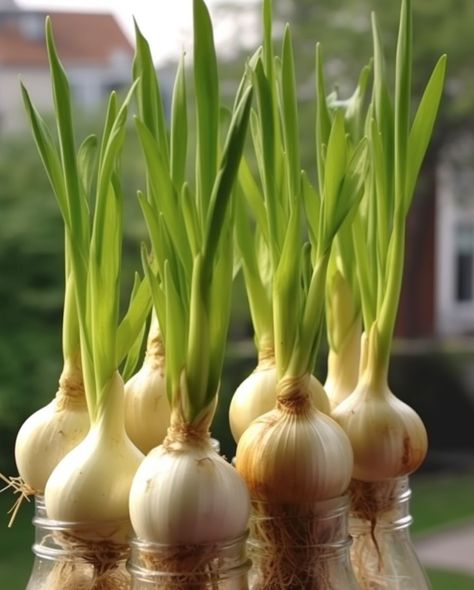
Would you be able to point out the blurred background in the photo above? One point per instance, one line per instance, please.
(433, 359)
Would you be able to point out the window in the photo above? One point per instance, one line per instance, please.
(464, 263)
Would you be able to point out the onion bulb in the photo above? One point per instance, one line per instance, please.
(92, 482)
(184, 493)
(147, 410)
(294, 453)
(387, 436)
(256, 395)
(291, 458)
(51, 432)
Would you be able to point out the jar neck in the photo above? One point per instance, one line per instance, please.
(302, 547)
(57, 540)
(318, 524)
(189, 566)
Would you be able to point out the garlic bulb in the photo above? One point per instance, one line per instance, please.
(185, 493)
(92, 482)
(256, 395)
(51, 432)
(147, 409)
(387, 436)
(294, 453)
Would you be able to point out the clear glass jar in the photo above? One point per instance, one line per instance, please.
(382, 553)
(222, 566)
(302, 549)
(64, 561)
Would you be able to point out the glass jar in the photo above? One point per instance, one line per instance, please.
(222, 566)
(65, 561)
(382, 553)
(303, 548)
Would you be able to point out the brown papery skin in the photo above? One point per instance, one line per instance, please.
(387, 436)
(294, 453)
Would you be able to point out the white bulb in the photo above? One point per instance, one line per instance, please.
(48, 435)
(187, 494)
(147, 410)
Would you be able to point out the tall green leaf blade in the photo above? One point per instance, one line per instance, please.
(422, 128)
(290, 113)
(402, 102)
(254, 197)
(323, 119)
(224, 181)
(259, 301)
(335, 168)
(179, 128)
(135, 348)
(86, 162)
(207, 104)
(150, 101)
(49, 156)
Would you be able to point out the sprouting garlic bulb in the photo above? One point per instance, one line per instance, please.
(185, 493)
(256, 396)
(51, 432)
(92, 482)
(387, 436)
(147, 410)
(295, 454)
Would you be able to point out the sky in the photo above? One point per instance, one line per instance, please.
(167, 24)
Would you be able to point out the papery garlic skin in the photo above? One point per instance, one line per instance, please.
(295, 454)
(92, 482)
(185, 493)
(256, 395)
(387, 436)
(52, 431)
(147, 410)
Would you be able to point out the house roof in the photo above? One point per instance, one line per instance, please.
(80, 38)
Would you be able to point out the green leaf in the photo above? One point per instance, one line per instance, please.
(150, 102)
(134, 353)
(323, 119)
(176, 334)
(179, 128)
(259, 301)
(86, 162)
(287, 295)
(335, 169)
(49, 156)
(220, 304)
(224, 181)
(191, 220)
(155, 287)
(402, 103)
(422, 127)
(207, 104)
(163, 193)
(198, 345)
(312, 207)
(78, 214)
(254, 197)
(290, 113)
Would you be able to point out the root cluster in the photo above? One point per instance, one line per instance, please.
(90, 565)
(372, 504)
(288, 549)
(183, 567)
